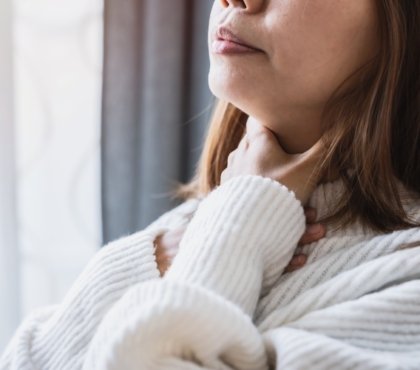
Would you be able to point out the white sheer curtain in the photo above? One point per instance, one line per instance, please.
(50, 222)
(9, 253)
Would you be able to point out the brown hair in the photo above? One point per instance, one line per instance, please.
(372, 129)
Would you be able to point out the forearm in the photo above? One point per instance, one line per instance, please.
(240, 239)
(57, 337)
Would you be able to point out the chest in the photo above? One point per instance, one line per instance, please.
(331, 258)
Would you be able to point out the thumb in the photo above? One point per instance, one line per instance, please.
(254, 127)
(316, 152)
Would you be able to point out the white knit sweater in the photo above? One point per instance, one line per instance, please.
(226, 303)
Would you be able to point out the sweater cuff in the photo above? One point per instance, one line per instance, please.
(162, 324)
(240, 239)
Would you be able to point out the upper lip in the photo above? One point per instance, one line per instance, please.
(224, 33)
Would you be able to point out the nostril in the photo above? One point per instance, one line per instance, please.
(226, 3)
(242, 4)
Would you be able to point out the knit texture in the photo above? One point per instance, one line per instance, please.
(226, 301)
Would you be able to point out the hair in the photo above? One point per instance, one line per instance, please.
(372, 129)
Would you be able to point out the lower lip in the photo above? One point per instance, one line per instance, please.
(230, 47)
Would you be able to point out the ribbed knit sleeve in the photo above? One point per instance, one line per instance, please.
(380, 330)
(354, 305)
(57, 336)
(240, 239)
(199, 315)
(53, 337)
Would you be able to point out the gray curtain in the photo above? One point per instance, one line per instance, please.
(156, 106)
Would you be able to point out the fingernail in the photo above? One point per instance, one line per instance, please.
(314, 228)
(311, 213)
(301, 259)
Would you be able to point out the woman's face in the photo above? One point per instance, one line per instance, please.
(308, 48)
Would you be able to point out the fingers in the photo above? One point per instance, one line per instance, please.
(255, 128)
(243, 144)
(310, 214)
(316, 152)
(296, 262)
(317, 149)
(313, 233)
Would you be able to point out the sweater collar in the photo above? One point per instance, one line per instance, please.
(325, 196)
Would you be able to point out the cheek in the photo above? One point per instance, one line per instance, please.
(230, 77)
(301, 35)
(318, 43)
(312, 47)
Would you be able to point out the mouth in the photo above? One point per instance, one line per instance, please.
(226, 42)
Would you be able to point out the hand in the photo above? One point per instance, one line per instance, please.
(314, 232)
(167, 248)
(259, 153)
(167, 243)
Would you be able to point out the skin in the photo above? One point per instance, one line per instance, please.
(309, 47)
(259, 153)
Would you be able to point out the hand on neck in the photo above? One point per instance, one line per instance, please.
(296, 130)
(294, 141)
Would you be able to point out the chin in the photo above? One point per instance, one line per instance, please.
(229, 89)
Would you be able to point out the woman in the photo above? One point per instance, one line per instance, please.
(319, 106)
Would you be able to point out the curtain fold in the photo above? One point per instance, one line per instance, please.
(9, 252)
(156, 106)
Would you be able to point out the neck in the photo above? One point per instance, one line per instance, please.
(296, 131)
(296, 141)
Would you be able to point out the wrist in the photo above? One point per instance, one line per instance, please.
(239, 236)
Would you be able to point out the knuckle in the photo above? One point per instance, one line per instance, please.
(260, 135)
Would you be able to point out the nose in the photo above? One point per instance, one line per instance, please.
(251, 6)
